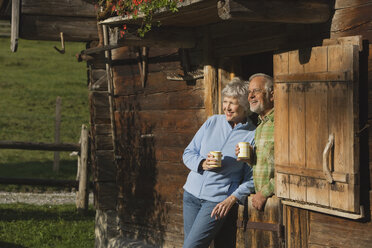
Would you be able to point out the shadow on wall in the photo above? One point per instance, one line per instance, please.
(142, 211)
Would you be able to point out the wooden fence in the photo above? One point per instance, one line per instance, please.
(81, 183)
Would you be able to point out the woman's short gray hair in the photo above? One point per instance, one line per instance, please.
(238, 89)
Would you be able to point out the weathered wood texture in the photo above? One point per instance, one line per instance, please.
(352, 18)
(274, 11)
(102, 154)
(302, 119)
(77, 8)
(296, 222)
(260, 228)
(154, 125)
(329, 231)
(49, 28)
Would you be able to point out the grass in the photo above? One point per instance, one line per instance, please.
(30, 81)
(23, 225)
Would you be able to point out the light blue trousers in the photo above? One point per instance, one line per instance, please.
(199, 227)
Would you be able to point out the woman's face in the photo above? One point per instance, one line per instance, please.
(232, 109)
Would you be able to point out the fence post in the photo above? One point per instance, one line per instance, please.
(57, 133)
(83, 193)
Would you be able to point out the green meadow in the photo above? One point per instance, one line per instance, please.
(30, 81)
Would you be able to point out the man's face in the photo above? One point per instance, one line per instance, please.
(260, 101)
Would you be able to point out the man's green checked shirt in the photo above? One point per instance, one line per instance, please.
(263, 170)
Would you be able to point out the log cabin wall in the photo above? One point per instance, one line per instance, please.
(103, 165)
(155, 121)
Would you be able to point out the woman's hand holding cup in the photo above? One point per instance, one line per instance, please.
(212, 161)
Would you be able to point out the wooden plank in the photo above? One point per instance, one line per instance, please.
(349, 40)
(282, 185)
(254, 234)
(40, 182)
(324, 210)
(281, 99)
(281, 64)
(297, 188)
(342, 4)
(100, 99)
(339, 76)
(41, 146)
(350, 21)
(316, 120)
(76, 8)
(297, 230)
(49, 28)
(82, 198)
(186, 99)
(341, 125)
(274, 11)
(104, 142)
(315, 173)
(308, 60)
(317, 191)
(345, 233)
(102, 129)
(105, 196)
(171, 120)
(163, 36)
(105, 170)
(15, 23)
(297, 126)
(341, 58)
(156, 83)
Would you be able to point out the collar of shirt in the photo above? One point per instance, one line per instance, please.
(268, 116)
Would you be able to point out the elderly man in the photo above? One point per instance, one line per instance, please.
(261, 100)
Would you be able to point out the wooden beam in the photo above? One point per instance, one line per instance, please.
(4, 144)
(14, 35)
(157, 37)
(77, 8)
(285, 11)
(50, 27)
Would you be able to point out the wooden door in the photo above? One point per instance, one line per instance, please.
(316, 120)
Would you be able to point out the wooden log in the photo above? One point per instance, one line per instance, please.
(57, 132)
(83, 193)
(40, 182)
(77, 8)
(105, 195)
(186, 99)
(274, 11)
(15, 25)
(49, 28)
(179, 37)
(345, 233)
(171, 120)
(39, 146)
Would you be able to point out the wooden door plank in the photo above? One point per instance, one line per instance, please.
(308, 60)
(316, 120)
(281, 63)
(296, 125)
(340, 58)
(281, 149)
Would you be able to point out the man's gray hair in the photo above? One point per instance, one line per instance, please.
(238, 89)
(269, 82)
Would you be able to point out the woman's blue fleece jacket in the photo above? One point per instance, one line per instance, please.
(234, 177)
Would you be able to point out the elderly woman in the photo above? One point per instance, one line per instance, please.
(211, 191)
